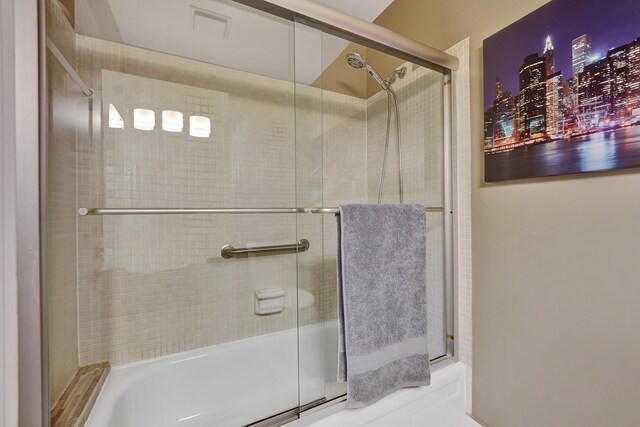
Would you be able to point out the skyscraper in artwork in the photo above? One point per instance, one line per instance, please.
(531, 105)
(553, 104)
(633, 77)
(617, 58)
(553, 90)
(504, 116)
(594, 94)
(580, 53)
(550, 67)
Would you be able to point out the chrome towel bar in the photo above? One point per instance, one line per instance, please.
(192, 211)
(230, 251)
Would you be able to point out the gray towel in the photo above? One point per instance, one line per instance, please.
(382, 303)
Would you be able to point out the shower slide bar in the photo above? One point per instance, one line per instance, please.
(192, 211)
(230, 251)
(88, 92)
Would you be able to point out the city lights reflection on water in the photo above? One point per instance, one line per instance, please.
(612, 149)
(597, 153)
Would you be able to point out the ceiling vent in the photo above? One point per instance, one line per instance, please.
(210, 24)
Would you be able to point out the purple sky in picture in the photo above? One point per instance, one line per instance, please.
(609, 23)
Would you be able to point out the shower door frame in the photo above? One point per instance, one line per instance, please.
(342, 25)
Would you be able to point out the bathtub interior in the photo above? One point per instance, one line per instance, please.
(230, 384)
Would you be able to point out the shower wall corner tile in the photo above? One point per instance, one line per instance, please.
(462, 201)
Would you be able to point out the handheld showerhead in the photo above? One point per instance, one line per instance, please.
(356, 60)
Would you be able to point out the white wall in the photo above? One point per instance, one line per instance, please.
(8, 285)
(20, 216)
(28, 215)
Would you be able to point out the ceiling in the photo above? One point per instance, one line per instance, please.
(222, 32)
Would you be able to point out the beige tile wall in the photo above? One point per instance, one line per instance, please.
(155, 285)
(64, 108)
(151, 286)
(345, 175)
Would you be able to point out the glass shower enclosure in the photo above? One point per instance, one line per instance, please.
(192, 200)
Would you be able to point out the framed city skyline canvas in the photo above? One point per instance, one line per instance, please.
(562, 91)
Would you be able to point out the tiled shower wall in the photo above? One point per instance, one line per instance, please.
(154, 285)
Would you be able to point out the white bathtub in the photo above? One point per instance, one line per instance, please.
(240, 382)
(230, 384)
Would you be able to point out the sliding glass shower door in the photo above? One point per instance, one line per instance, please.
(205, 268)
(187, 175)
(341, 129)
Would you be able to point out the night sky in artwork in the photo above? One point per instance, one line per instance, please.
(609, 23)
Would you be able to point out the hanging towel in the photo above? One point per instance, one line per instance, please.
(382, 304)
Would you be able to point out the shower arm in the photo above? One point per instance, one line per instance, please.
(391, 78)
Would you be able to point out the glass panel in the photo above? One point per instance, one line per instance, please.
(344, 116)
(420, 99)
(436, 308)
(185, 116)
(309, 193)
(341, 123)
(67, 110)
